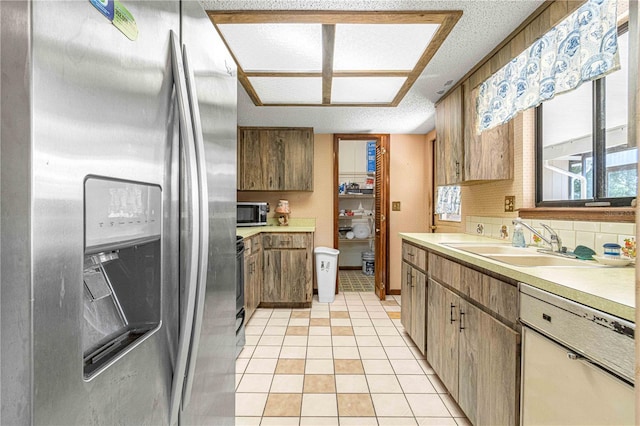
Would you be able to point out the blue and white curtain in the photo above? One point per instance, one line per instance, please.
(581, 48)
(448, 200)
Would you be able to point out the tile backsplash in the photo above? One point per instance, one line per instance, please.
(572, 233)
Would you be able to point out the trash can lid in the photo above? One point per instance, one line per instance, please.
(326, 250)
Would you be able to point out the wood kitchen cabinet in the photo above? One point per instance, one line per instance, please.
(287, 270)
(473, 340)
(275, 159)
(414, 293)
(462, 155)
(488, 155)
(252, 274)
(449, 139)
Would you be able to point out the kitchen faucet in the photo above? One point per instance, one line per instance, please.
(554, 240)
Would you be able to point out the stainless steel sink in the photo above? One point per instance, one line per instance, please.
(526, 257)
(541, 260)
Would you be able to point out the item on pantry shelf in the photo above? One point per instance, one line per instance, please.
(350, 235)
(361, 230)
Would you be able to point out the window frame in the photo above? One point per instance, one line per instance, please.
(598, 151)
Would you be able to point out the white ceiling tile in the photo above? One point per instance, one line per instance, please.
(380, 46)
(275, 47)
(288, 90)
(365, 89)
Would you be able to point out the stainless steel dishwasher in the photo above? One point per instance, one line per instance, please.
(577, 363)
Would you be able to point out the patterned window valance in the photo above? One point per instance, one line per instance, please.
(581, 48)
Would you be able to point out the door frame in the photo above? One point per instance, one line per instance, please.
(383, 139)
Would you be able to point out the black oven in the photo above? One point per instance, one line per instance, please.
(252, 213)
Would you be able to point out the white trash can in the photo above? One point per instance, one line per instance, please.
(326, 271)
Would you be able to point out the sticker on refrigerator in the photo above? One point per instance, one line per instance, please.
(105, 7)
(124, 21)
(119, 16)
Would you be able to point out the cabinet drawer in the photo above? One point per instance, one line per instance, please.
(256, 243)
(445, 271)
(499, 296)
(285, 241)
(414, 255)
(247, 246)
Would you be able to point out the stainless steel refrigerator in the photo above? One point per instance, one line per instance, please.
(117, 177)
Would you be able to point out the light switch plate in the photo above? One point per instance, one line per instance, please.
(395, 206)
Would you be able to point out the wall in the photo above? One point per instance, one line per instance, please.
(408, 181)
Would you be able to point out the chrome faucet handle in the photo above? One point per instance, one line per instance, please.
(554, 237)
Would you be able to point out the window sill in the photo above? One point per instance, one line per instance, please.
(587, 214)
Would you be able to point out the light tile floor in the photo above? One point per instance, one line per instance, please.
(345, 363)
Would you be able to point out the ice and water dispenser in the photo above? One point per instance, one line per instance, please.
(122, 274)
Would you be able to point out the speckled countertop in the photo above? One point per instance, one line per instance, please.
(608, 289)
(295, 225)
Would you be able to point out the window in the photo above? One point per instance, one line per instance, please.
(583, 156)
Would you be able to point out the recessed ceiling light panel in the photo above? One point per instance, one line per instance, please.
(360, 47)
(365, 89)
(288, 90)
(275, 47)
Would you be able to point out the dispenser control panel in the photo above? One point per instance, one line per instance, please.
(118, 211)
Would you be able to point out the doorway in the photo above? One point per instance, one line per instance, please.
(361, 179)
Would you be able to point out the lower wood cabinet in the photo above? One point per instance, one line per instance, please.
(287, 270)
(414, 287)
(414, 294)
(474, 351)
(252, 274)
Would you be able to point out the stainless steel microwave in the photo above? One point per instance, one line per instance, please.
(252, 213)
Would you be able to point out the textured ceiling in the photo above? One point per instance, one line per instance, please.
(483, 25)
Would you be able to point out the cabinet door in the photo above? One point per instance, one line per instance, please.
(418, 310)
(489, 155)
(259, 161)
(489, 368)
(286, 276)
(449, 139)
(298, 154)
(407, 305)
(442, 334)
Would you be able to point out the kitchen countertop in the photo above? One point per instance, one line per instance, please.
(295, 225)
(611, 290)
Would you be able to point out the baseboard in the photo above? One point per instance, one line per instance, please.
(349, 268)
(394, 292)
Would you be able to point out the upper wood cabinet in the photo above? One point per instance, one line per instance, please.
(488, 155)
(275, 159)
(449, 143)
(462, 155)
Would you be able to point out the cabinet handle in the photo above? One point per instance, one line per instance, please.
(451, 319)
(461, 321)
(457, 168)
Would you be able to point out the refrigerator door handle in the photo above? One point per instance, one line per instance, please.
(186, 136)
(203, 252)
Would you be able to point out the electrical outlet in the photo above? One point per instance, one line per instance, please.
(509, 203)
(395, 206)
